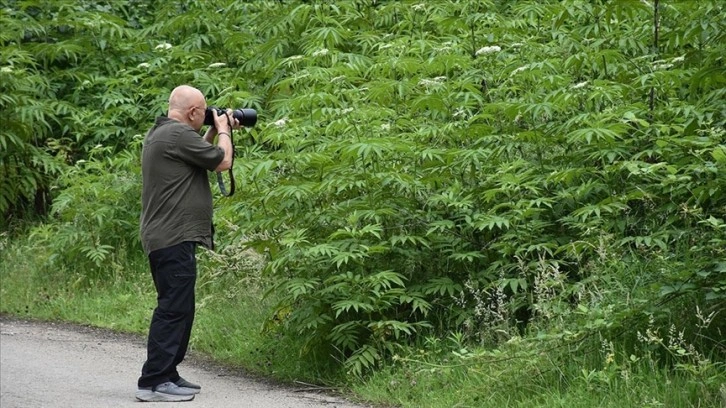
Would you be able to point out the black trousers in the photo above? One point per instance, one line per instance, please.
(174, 270)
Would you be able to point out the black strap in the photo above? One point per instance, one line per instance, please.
(220, 181)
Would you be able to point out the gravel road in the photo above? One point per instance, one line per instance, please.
(61, 365)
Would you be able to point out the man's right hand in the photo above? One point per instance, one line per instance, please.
(222, 123)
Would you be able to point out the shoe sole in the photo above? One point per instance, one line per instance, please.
(154, 396)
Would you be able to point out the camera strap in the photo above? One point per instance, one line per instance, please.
(220, 180)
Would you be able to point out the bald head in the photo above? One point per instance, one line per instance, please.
(185, 105)
(184, 97)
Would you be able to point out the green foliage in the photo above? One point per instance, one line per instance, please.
(519, 153)
(488, 168)
(95, 217)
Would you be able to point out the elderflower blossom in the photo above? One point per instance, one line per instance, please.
(488, 50)
(217, 65)
(321, 52)
(281, 122)
(163, 46)
(518, 70)
(431, 82)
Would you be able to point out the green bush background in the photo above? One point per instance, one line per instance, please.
(432, 187)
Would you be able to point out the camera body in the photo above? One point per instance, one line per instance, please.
(246, 117)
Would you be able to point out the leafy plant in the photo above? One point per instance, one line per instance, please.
(480, 167)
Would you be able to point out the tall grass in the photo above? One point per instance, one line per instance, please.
(647, 366)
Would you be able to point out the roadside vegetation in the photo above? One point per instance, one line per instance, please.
(477, 203)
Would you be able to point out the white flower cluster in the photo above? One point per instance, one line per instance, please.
(447, 46)
(143, 65)
(295, 58)
(659, 67)
(579, 85)
(281, 122)
(430, 82)
(163, 46)
(385, 126)
(7, 69)
(217, 65)
(320, 53)
(520, 69)
(488, 50)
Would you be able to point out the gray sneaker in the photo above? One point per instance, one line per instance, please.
(187, 384)
(166, 392)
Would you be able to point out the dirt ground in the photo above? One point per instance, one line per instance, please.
(63, 365)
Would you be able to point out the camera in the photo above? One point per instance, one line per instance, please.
(246, 117)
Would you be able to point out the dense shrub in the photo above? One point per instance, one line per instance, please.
(419, 167)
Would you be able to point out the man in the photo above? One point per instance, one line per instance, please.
(176, 216)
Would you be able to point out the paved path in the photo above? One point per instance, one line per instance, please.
(58, 365)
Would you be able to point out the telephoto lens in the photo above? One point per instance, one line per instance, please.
(246, 117)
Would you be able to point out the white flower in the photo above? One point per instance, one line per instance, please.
(516, 45)
(163, 46)
(346, 110)
(662, 66)
(430, 82)
(679, 59)
(488, 50)
(418, 7)
(281, 123)
(520, 69)
(321, 52)
(579, 85)
(295, 58)
(143, 65)
(385, 126)
(7, 69)
(217, 65)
